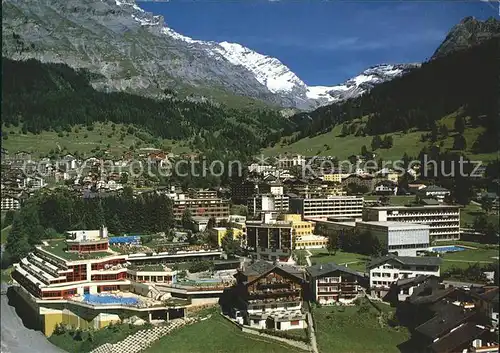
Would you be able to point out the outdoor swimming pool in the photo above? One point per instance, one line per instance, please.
(449, 248)
(103, 299)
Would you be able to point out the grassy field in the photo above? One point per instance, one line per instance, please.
(471, 211)
(463, 259)
(4, 234)
(350, 331)
(331, 144)
(80, 140)
(353, 260)
(216, 335)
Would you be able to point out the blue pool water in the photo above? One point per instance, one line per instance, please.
(449, 248)
(108, 299)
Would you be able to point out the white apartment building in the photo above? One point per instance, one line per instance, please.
(402, 239)
(268, 202)
(258, 168)
(34, 183)
(332, 206)
(385, 271)
(10, 203)
(443, 220)
(288, 162)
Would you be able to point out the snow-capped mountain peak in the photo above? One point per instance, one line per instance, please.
(148, 55)
(272, 74)
(269, 71)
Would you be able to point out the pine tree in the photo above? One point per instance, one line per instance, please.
(17, 245)
(459, 124)
(187, 219)
(443, 131)
(376, 142)
(459, 143)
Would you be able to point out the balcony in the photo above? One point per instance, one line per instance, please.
(294, 300)
(275, 285)
(283, 292)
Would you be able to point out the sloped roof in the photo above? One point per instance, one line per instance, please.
(320, 270)
(444, 321)
(261, 267)
(434, 188)
(407, 260)
(413, 281)
(453, 340)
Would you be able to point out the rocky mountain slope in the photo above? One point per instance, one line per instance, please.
(135, 51)
(467, 33)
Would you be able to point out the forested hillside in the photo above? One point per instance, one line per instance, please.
(40, 97)
(49, 215)
(465, 80)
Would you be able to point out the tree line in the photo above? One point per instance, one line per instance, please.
(42, 97)
(353, 240)
(49, 215)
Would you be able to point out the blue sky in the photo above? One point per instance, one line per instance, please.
(324, 42)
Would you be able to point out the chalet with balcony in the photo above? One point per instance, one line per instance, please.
(270, 296)
(331, 284)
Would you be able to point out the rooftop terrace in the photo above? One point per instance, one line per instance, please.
(58, 248)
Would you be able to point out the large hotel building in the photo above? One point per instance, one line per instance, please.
(443, 220)
(269, 239)
(333, 206)
(206, 205)
(62, 281)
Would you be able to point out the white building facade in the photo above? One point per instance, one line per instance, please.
(389, 269)
(333, 206)
(443, 220)
(403, 239)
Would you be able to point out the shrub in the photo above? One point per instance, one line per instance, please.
(285, 334)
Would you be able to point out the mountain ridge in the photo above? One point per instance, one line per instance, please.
(135, 51)
(468, 32)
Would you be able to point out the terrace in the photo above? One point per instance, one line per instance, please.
(150, 268)
(59, 249)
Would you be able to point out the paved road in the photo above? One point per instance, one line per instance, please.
(16, 338)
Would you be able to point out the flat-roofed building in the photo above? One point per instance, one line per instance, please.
(270, 240)
(267, 202)
(335, 177)
(336, 206)
(403, 239)
(299, 226)
(10, 202)
(204, 207)
(62, 281)
(443, 220)
(310, 241)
